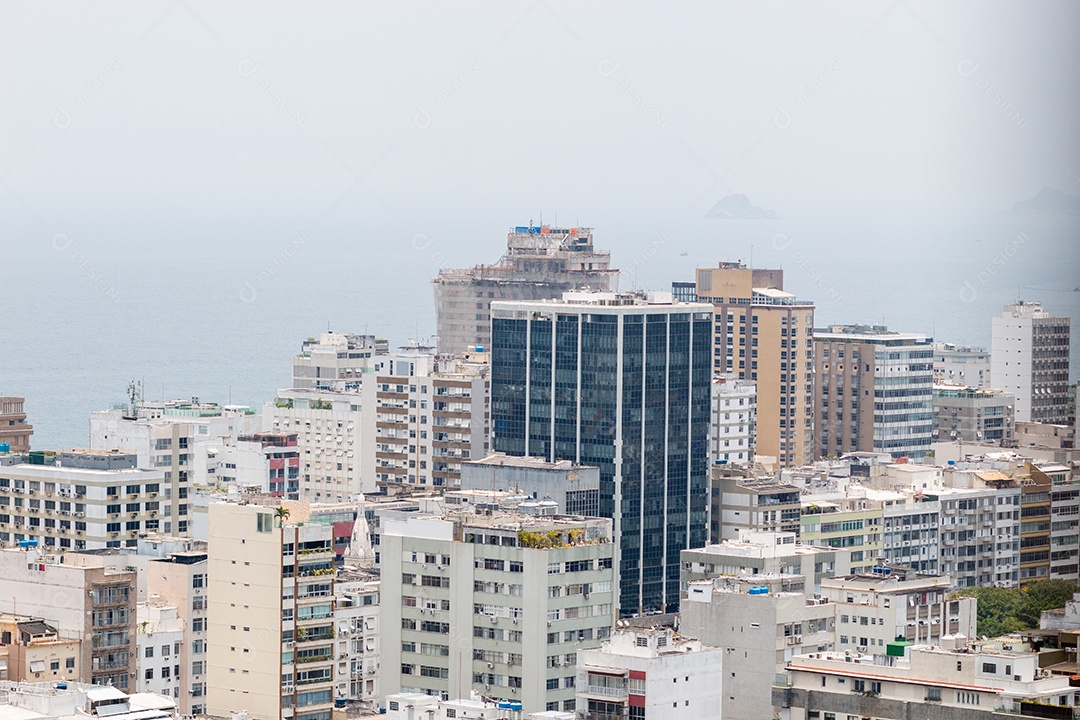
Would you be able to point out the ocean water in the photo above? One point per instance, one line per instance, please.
(82, 316)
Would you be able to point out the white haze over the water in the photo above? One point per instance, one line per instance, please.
(188, 189)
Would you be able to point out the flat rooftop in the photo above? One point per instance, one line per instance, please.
(525, 461)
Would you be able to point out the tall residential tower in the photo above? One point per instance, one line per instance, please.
(874, 391)
(1029, 357)
(763, 334)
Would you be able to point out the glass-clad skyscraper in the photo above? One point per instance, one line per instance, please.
(620, 381)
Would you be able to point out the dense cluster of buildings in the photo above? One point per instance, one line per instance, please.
(580, 503)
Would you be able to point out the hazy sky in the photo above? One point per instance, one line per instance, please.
(264, 113)
(163, 165)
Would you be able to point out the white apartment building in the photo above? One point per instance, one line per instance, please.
(1029, 354)
(410, 706)
(979, 525)
(335, 438)
(759, 630)
(177, 437)
(158, 649)
(757, 553)
(80, 500)
(335, 357)
(644, 673)
(954, 680)
(46, 701)
(956, 365)
(498, 603)
(265, 462)
(732, 427)
(430, 418)
(270, 620)
(357, 647)
(876, 608)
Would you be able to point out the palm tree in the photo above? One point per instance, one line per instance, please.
(282, 514)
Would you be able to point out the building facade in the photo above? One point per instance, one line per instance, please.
(499, 604)
(15, 432)
(1029, 354)
(732, 430)
(541, 262)
(874, 391)
(406, 420)
(270, 618)
(80, 500)
(760, 632)
(763, 335)
(974, 415)
(956, 365)
(89, 601)
(648, 673)
(574, 488)
(621, 382)
(949, 680)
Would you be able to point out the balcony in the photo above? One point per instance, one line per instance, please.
(605, 691)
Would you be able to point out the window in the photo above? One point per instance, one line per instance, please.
(265, 522)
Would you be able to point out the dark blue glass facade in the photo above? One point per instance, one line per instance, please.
(628, 392)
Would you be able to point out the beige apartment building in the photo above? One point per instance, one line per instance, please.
(15, 432)
(32, 650)
(874, 391)
(81, 598)
(764, 335)
(270, 634)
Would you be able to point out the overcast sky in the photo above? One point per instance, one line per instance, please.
(189, 188)
(396, 114)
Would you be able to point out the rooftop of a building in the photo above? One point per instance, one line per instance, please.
(659, 301)
(773, 296)
(166, 411)
(755, 544)
(81, 461)
(525, 461)
(955, 390)
(954, 348)
(75, 701)
(647, 642)
(885, 579)
(873, 334)
(770, 585)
